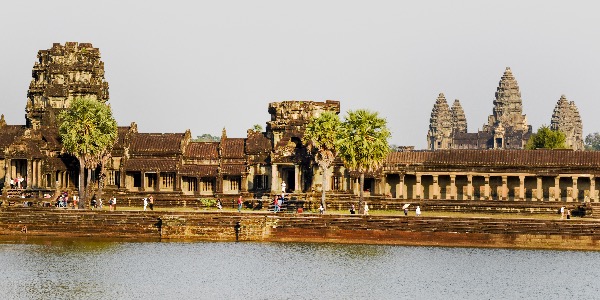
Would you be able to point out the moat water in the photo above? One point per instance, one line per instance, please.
(92, 269)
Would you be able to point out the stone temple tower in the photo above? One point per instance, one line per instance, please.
(439, 135)
(61, 74)
(506, 128)
(507, 124)
(508, 106)
(459, 120)
(566, 118)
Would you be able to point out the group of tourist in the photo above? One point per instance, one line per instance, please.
(148, 202)
(565, 211)
(17, 182)
(278, 203)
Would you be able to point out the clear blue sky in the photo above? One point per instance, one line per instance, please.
(205, 65)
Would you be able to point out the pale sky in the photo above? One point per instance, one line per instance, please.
(205, 65)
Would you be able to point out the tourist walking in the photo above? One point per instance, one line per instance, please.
(352, 209)
(145, 200)
(366, 212)
(568, 214)
(219, 204)
(562, 212)
(113, 203)
(240, 202)
(418, 211)
(321, 209)
(276, 204)
(151, 202)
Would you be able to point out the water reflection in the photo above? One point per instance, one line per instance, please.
(95, 269)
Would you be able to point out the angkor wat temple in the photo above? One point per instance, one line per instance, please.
(171, 165)
(507, 127)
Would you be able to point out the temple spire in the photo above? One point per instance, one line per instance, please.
(440, 125)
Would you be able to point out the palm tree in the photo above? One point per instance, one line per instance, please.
(363, 144)
(88, 131)
(319, 137)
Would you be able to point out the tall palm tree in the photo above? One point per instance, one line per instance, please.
(87, 130)
(363, 144)
(319, 137)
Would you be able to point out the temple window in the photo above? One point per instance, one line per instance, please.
(189, 184)
(336, 183)
(260, 182)
(234, 185)
(113, 178)
(167, 180)
(150, 180)
(206, 184)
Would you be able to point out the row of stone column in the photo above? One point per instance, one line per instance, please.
(401, 193)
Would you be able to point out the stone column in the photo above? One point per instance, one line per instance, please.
(7, 171)
(593, 189)
(436, 188)
(574, 191)
(244, 183)
(297, 188)
(29, 177)
(469, 187)
(143, 181)
(522, 187)
(384, 189)
(419, 189)
(400, 189)
(539, 189)
(486, 192)
(453, 191)
(557, 189)
(274, 181)
(504, 194)
(157, 186)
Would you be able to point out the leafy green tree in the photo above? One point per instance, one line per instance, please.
(592, 141)
(207, 137)
(546, 138)
(363, 144)
(257, 128)
(319, 137)
(88, 131)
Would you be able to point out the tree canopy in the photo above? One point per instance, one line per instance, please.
(362, 143)
(319, 136)
(546, 138)
(88, 131)
(592, 141)
(207, 137)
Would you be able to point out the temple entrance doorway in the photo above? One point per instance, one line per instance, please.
(18, 173)
(288, 175)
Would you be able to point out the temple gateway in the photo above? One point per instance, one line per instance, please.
(488, 165)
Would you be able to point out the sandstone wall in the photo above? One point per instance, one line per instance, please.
(396, 230)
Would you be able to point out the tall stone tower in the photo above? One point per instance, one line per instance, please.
(459, 120)
(566, 118)
(61, 74)
(507, 127)
(508, 106)
(439, 135)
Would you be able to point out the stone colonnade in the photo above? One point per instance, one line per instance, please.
(491, 186)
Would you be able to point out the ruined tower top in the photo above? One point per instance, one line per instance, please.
(61, 74)
(288, 122)
(508, 107)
